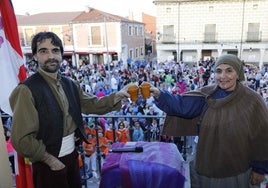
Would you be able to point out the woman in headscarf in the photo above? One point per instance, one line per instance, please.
(231, 121)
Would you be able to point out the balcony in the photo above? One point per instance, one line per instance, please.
(210, 37)
(254, 36)
(168, 39)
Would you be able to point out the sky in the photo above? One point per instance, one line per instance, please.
(117, 7)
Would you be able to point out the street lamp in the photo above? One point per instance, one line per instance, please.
(107, 50)
(178, 54)
(242, 29)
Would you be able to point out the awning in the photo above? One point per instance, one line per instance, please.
(82, 53)
(101, 53)
(68, 53)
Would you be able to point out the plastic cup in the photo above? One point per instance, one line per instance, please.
(145, 90)
(133, 92)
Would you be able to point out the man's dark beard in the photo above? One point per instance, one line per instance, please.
(45, 67)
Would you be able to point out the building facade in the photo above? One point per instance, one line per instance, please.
(89, 36)
(194, 30)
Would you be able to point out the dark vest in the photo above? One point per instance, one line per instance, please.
(50, 114)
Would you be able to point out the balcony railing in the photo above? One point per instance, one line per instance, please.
(115, 118)
(254, 36)
(210, 37)
(168, 38)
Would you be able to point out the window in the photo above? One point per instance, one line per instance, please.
(210, 33)
(130, 54)
(140, 31)
(211, 8)
(137, 52)
(135, 31)
(114, 57)
(253, 32)
(255, 6)
(29, 33)
(168, 10)
(168, 33)
(141, 51)
(129, 30)
(56, 30)
(96, 35)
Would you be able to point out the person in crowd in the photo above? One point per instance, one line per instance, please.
(151, 112)
(102, 146)
(114, 83)
(145, 126)
(181, 84)
(112, 133)
(265, 96)
(124, 107)
(93, 84)
(89, 146)
(107, 89)
(192, 85)
(205, 77)
(100, 93)
(137, 134)
(47, 116)
(231, 122)
(102, 122)
(90, 154)
(175, 89)
(10, 149)
(92, 128)
(154, 130)
(87, 129)
(124, 132)
(99, 84)
(104, 143)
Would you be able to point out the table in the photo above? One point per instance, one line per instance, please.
(159, 165)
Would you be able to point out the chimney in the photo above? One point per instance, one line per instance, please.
(88, 9)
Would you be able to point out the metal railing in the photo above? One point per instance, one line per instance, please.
(115, 117)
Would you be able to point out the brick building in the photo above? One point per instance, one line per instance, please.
(87, 35)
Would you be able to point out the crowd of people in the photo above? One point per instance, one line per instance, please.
(176, 77)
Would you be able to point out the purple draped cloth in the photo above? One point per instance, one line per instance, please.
(159, 165)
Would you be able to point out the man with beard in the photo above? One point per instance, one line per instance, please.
(47, 120)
